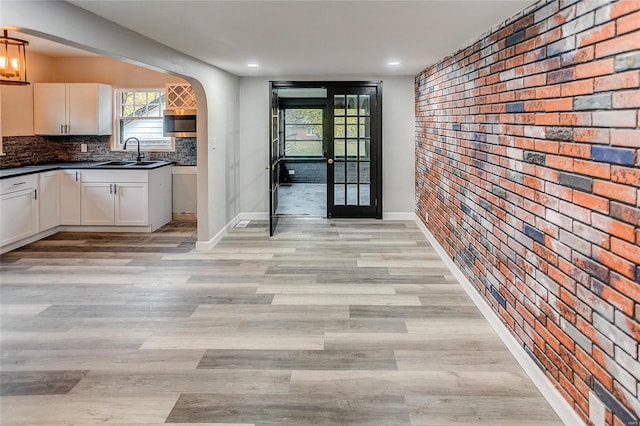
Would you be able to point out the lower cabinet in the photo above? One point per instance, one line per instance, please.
(49, 197)
(19, 203)
(70, 197)
(34, 203)
(120, 204)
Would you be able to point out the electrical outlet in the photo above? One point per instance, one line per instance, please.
(426, 217)
(292, 172)
(597, 410)
(83, 147)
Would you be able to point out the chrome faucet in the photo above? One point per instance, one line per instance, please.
(140, 156)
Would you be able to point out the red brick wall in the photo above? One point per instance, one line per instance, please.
(528, 168)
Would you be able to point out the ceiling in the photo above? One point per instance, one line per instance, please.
(311, 37)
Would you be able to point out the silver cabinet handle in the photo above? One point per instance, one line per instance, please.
(76, 176)
(115, 188)
(35, 194)
(19, 183)
(110, 188)
(62, 128)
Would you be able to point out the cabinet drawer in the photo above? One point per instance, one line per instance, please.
(18, 183)
(114, 176)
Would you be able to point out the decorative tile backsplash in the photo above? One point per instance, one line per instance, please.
(31, 150)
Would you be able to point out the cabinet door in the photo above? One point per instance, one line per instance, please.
(82, 104)
(70, 197)
(19, 216)
(97, 204)
(49, 108)
(131, 204)
(49, 197)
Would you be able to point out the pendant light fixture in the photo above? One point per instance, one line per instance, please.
(13, 60)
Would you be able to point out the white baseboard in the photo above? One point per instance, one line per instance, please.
(546, 388)
(29, 240)
(398, 215)
(210, 244)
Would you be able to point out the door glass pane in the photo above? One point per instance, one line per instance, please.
(352, 195)
(365, 149)
(338, 171)
(339, 105)
(365, 195)
(352, 104)
(352, 172)
(338, 131)
(365, 127)
(364, 105)
(365, 172)
(352, 130)
(338, 148)
(352, 147)
(338, 195)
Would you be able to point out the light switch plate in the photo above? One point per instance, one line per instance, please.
(83, 147)
(596, 410)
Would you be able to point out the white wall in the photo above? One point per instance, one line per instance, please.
(398, 143)
(216, 92)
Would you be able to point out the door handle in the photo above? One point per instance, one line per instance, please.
(330, 161)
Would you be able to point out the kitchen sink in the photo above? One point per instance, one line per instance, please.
(142, 163)
(115, 163)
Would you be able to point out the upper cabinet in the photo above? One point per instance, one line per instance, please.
(72, 109)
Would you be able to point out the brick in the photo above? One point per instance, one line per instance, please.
(551, 119)
(575, 88)
(564, 104)
(592, 268)
(579, 338)
(591, 135)
(614, 118)
(561, 46)
(599, 101)
(580, 24)
(625, 213)
(612, 226)
(626, 99)
(624, 43)
(592, 202)
(576, 182)
(626, 175)
(613, 155)
(595, 68)
(628, 23)
(534, 233)
(534, 158)
(515, 107)
(514, 38)
(623, 8)
(627, 250)
(613, 297)
(627, 61)
(590, 168)
(575, 243)
(622, 80)
(625, 137)
(559, 133)
(614, 191)
(597, 34)
(575, 119)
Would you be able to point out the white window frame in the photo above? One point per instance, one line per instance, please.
(116, 145)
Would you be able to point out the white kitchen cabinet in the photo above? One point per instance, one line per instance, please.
(118, 198)
(72, 109)
(70, 197)
(19, 208)
(97, 203)
(49, 197)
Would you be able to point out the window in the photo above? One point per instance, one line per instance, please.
(139, 114)
(303, 132)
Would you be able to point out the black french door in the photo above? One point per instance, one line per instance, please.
(274, 158)
(354, 154)
(352, 143)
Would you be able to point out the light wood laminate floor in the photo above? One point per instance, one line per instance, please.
(330, 322)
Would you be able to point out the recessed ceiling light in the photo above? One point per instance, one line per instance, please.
(393, 63)
(253, 65)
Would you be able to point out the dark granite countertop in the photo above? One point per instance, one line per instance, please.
(95, 165)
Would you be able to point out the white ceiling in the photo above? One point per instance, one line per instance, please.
(311, 37)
